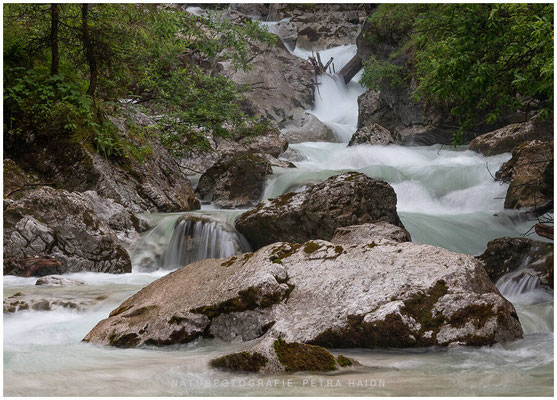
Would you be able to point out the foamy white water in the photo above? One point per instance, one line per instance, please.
(446, 197)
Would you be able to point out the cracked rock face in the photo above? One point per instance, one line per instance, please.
(62, 225)
(347, 199)
(366, 295)
(371, 134)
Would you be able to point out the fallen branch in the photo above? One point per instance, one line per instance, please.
(544, 230)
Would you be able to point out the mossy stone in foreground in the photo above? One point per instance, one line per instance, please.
(344, 361)
(303, 357)
(244, 361)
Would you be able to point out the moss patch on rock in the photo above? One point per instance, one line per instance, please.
(243, 361)
(343, 361)
(283, 252)
(310, 247)
(303, 357)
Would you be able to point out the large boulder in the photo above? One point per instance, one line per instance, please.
(530, 175)
(347, 199)
(371, 134)
(507, 255)
(305, 127)
(63, 225)
(504, 140)
(285, 300)
(236, 180)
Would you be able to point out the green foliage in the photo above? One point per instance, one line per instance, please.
(146, 52)
(478, 60)
(375, 70)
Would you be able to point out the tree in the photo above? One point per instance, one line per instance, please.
(476, 59)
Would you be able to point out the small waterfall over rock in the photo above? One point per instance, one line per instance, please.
(182, 239)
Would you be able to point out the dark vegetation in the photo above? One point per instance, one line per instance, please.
(67, 67)
(477, 60)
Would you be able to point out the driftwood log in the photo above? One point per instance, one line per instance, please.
(351, 69)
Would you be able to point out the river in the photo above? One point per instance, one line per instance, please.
(446, 197)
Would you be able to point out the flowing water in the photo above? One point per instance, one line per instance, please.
(446, 197)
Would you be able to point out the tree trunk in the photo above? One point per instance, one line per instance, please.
(351, 69)
(544, 230)
(54, 20)
(89, 50)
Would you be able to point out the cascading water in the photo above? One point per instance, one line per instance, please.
(445, 197)
(181, 239)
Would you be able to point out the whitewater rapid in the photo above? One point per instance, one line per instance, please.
(446, 197)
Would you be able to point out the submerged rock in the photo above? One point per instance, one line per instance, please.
(530, 175)
(371, 134)
(285, 297)
(506, 255)
(40, 302)
(504, 140)
(342, 200)
(59, 281)
(61, 225)
(235, 180)
(367, 233)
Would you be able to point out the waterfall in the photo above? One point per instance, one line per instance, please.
(181, 239)
(194, 240)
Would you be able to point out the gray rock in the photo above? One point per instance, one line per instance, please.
(59, 281)
(318, 293)
(504, 140)
(506, 255)
(56, 223)
(342, 200)
(371, 134)
(530, 175)
(235, 180)
(367, 233)
(294, 155)
(282, 83)
(305, 127)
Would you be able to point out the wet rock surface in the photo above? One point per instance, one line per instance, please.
(45, 302)
(235, 180)
(58, 281)
(504, 140)
(530, 175)
(346, 199)
(285, 297)
(506, 255)
(371, 134)
(54, 223)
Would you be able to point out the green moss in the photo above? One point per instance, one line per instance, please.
(244, 361)
(229, 262)
(248, 299)
(283, 200)
(344, 361)
(310, 247)
(420, 306)
(283, 252)
(478, 313)
(339, 250)
(303, 357)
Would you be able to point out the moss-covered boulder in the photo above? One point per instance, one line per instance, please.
(288, 301)
(235, 180)
(347, 199)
